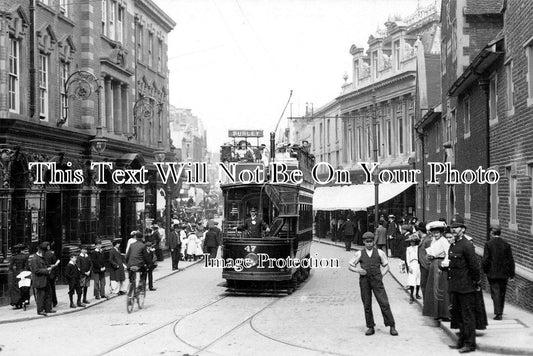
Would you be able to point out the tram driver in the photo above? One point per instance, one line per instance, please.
(254, 225)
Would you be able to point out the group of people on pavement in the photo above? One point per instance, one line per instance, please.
(39, 271)
(439, 260)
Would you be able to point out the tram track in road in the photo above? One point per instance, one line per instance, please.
(155, 329)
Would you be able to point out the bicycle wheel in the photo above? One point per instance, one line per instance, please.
(140, 295)
(130, 298)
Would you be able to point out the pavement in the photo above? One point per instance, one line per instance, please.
(511, 336)
(10, 315)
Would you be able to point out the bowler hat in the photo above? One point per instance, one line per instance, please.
(458, 221)
(253, 210)
(368, 236)
(44, 246)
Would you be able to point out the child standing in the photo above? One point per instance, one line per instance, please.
(72, 275)
(413, 268)
(85, 267)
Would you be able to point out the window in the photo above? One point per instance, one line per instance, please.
(43, 87)
(493, 100)
(413, 133)
(467, 200)
(65, 72)
(509, 88)
(104, 17)
(327, 131)
(494, 203)
(397, 55)
(529, 78)
(359, 143)
(14, 68)
(466, 117)
(140, 42)
(511, 176)
(389, 138)
(336, 128)
(375, 64)
(400, 134)
(120, 24)
(112, 22)
(369, 141)
(150, 49)
(64, 7)
(437, 136)
(320, 131)
(350, 146)
(160, 57)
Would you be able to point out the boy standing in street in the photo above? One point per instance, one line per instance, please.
(371, 260)
(72, 275)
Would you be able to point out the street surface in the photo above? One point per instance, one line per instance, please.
(190, 314)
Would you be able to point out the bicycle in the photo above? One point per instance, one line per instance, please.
(135, 293)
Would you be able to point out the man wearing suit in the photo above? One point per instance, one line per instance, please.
(498, 264)
(348, 230)
(51, 259)
(254, 225)
(98, 264)
(40, 273)
(174, 244)
(381, 237)
(463, 281)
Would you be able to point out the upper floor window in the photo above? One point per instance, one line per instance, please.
(400, 134)
(356, 73)
(65, 72)
(120, 24)
(389, 138)
(112, 19)
(160, 56)
(43, 87)
(359, 143)
(466, 117)
(64, 7)
(140, 42)
(397, 58)
(14, 72)
(509, 88)
(104, 17)
(413, 133)
(529, 77)
(150, 49)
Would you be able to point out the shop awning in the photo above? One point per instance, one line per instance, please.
(354, 197)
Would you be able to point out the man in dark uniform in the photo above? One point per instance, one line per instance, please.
(137, 256)
(499, 266)
(211, 242)
(425, 242)
(51, 259)
(174, 244)
(371, 260)
(463, 282)
(254, 225)
(392, 232)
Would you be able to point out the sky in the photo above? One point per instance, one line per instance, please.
(235, 62)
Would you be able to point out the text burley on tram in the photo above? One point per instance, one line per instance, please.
(286, 208)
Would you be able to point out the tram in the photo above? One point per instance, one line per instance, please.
(285, 208)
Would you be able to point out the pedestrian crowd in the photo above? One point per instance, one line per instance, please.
(439, 261)
(39, 271)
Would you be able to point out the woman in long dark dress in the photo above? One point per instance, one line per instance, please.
(18, 263)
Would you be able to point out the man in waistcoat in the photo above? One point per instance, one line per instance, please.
(370, 261)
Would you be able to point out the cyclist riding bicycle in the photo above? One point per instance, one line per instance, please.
(137, 258)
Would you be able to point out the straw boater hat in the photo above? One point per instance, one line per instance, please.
(413, 237)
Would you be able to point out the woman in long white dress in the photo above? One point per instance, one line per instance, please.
(192, 245)
(436, 299)
(413, 267)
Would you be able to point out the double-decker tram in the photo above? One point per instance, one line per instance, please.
(267, 226)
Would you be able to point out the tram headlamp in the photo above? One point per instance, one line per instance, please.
(253, 258)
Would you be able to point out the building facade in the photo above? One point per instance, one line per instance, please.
(80, 83)
(382, 97)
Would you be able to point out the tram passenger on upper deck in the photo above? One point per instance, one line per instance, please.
(254, 225)
(243, 152)
(283, 152)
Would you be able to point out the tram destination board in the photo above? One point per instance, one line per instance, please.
(245, 133)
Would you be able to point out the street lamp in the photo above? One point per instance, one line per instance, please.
(161, 156)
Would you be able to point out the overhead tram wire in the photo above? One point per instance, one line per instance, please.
(285, 108)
